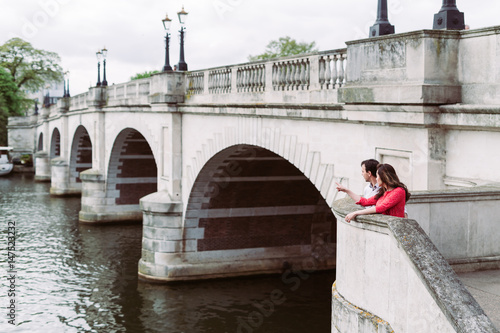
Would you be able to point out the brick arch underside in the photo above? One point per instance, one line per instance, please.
(81, 154)
(55, 144)
(249, 197)
(132, 172)
(40, 142)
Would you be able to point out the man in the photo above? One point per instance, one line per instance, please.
(369, 173)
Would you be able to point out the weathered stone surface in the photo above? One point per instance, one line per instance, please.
(431, 285)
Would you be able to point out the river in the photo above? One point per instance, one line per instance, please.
(72, 277)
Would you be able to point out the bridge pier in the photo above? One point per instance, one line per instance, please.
(97, 207)
(42, 167)
(60, 179)
(170, 250)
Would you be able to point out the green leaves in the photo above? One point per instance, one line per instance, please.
(30, 68)
(283, 47)
(143, 75)
(23, 69)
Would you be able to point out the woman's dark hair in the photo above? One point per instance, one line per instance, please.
(389, 177)
(371, 165)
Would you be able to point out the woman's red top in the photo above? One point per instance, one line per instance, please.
(391, 203)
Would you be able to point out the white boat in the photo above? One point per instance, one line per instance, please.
(6, 164)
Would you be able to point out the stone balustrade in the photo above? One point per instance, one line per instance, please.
(276, 79)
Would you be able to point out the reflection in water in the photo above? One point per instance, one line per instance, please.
(83, 278)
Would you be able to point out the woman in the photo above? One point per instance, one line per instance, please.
(390, 200)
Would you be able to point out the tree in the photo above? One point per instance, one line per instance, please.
(283, 47)
(143, 75)
(10, 102)
(30, 68)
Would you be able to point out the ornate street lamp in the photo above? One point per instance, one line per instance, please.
(36, 107)
(66, 86)
(99, 56)
(449, 17)
(382, 25)
(166, 24)
(182, 19)
(104, 52)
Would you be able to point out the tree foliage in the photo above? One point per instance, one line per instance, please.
(284, 46)
(30, 68)
(23, 69)
(10, 102)
(143, 75)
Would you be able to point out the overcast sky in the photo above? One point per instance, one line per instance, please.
(219, 32)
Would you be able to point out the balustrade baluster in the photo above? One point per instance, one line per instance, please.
(308, 73)
(257, 77)
(217, 81)
(341, 70)
(334, 72)
(328, 72)
(251, 83)
(274, 76)
(262, 78)
(298, 73)
(288, 69)
(303, 67)
(291, 81)
(247, 80)
(321, 68)
(281, 76)
(224, 76)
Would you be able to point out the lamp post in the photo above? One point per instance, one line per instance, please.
(104, 52)
(166, 24)
(36, 107)
(66, 86)
(449, 17)
(46, 100)
(382, 25)
(182, 19)
(99, 56)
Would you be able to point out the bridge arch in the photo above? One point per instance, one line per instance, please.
(254, 132)
(132, 169)
(81, 155)
(248, 197)
(55, 144)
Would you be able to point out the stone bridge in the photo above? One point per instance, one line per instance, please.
(232, 169)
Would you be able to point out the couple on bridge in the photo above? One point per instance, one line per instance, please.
(385, 193)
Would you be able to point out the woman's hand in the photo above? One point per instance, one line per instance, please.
(350, 216)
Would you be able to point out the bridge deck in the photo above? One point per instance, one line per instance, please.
(485, 287)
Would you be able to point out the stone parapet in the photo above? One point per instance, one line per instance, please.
(461, 223)
(419, 67)
(389, 267)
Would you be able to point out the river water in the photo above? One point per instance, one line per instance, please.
(71, 277)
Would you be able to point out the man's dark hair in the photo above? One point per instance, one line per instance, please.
(371, 165)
